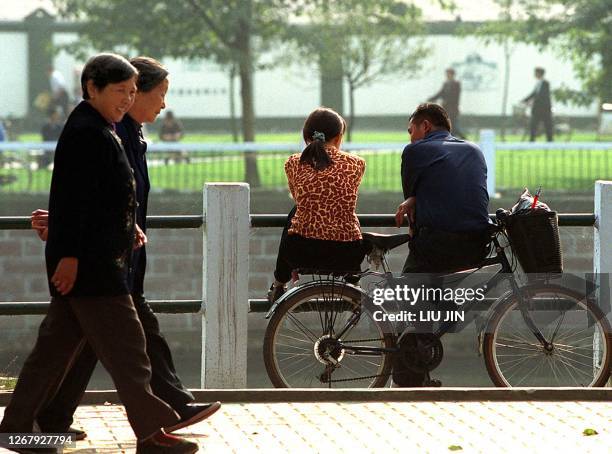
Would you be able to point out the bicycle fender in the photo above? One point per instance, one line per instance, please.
(308, 285)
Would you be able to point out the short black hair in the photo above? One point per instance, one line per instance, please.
(104, 69)
(539, 70)
(435, 113)
(150, 73)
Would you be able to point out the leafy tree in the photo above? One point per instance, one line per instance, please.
(582, 31)
(363, 40)
(230, 32)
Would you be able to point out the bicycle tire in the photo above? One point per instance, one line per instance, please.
(568, 357)
(348, 298)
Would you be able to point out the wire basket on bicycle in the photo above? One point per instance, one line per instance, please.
(533, 231)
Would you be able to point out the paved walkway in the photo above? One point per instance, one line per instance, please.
(381, 427)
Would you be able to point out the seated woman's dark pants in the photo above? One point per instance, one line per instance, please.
(298, 252)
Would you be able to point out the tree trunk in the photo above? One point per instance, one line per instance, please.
(351, 122)
(245, 69)
(232, 102)
(507, 53)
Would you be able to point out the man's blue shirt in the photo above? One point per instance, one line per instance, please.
(448, 176)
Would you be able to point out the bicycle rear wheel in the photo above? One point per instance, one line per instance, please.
(302, 348)
(580, 347)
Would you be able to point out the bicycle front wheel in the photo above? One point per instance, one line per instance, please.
(576, 331)
(304, 347)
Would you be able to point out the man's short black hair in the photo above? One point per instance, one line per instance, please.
(104, 69)
(435, 113)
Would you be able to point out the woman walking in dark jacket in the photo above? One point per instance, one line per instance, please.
(91, 234)
(58, 415)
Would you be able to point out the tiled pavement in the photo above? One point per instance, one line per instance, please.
(381, 427)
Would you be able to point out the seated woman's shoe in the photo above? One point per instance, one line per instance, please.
(275, 292)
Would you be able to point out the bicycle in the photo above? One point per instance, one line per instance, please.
(539, 334)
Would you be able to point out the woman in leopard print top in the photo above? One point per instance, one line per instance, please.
(322, 230)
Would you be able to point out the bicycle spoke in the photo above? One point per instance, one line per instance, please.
(302, 328)
(529, 373)
(569, 365)
(294, 338)
(293, 346)
(300, 370)
(554, 334)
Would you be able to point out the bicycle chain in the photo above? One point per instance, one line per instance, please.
(360, 378)
(368, 376)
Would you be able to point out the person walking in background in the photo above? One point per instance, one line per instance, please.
(541, 111)
(449, 94)
(50, 132)
(171, 129)
(52, 129)
(322, 231)
(91, 233)
(59, 92)
(152, 86)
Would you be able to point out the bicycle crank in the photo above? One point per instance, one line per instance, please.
(420, 352)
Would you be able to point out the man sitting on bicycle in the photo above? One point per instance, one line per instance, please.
(444, 180)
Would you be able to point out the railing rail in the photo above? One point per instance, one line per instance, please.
(279, 220)
(225, 304)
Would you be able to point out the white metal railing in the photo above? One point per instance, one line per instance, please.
(226, 264)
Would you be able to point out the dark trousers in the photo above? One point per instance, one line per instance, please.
(296, 251)
(436, 251)
(536, 119)
(57, 416)
(112, 327)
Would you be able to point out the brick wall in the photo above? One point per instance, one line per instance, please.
(175, 272)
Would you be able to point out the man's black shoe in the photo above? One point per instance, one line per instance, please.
(79, 434)
(192, 414)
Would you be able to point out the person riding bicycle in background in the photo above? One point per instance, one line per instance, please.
(444, 180)
(322, 230)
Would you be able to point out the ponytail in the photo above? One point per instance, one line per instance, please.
(314, 154)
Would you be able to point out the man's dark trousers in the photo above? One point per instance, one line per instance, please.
(57, 416)
(536, 119)
(435, 251)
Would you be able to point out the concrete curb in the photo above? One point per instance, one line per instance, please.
(373, 395)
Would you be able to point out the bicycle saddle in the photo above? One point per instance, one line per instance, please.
(386, 242)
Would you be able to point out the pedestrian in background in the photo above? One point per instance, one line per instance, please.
(541, 111)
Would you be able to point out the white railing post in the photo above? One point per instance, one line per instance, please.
(225, 285)
(487, 145)
(602, 243)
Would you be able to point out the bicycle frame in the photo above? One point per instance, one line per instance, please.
(505, 273)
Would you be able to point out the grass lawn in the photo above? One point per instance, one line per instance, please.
(553, 169)
(7, 383)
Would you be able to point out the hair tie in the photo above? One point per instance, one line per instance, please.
(318, 136)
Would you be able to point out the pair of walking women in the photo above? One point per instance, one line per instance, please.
(96, 217)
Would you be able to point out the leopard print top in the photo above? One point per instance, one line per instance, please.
(326, 198)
